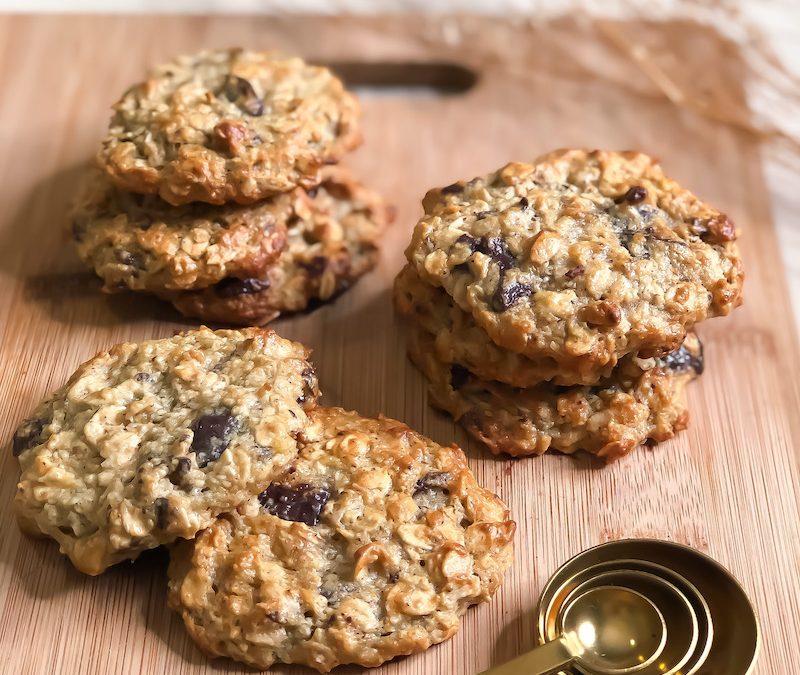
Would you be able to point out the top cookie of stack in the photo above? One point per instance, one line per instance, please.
(216, 191)
(576, 277)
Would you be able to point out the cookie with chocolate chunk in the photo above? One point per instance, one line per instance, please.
(229, 125)
(142, 243)
(332, 241)
(579, 257)
(643, 400)
(370, 545)
(149, 442)
(459, 341)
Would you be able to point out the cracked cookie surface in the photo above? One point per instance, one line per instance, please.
(229, 125)
(149, 441)
(370, 545)
(142, 243)
(643, 400)
(332, 241)
(580, 257)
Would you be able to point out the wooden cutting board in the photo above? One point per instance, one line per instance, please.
(728, 485)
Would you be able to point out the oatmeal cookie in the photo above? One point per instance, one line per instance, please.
(142, 243)
(580, 257)
(229, 125)
(642, 401)
(370, 545)
(459, 340)
(149, 442)
(333, 235)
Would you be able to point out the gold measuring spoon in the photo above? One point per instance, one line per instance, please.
(608, 630)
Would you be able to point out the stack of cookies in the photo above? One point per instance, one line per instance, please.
(552, 304)
(297, 533)
(217, 189)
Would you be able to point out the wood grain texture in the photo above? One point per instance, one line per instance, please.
(729, 485)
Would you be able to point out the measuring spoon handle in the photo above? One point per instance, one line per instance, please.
(547, 659)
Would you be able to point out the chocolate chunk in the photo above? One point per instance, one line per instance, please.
(472, 243)
(433, 480)
(459, 376)
(182, 467)
(298, 503)
(480, 215)
(132, 260)
(497, 250)
(231, 287)
(682, 359)
(27, 436)
(316, 266)
(453, 189)
(715, 230)
(393, 577)
(309, 385)
(212, 435)
(524, 203)
(507, 295)
(142, 377)
(576, 271)
(634, 195)
(241, 92)
(162, 512)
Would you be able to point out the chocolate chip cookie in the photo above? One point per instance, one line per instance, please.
(580, 257)
(370, 545)
(142, 243)
(229, 125)
(333, 234)
(642, 400)
(149, 442)
(460, 341)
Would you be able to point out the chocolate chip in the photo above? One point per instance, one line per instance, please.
(459, 376)
(453, 189)
(576, 271)
(469, 241)
(523, 203)
(634, 195)
(480, 215)
(162, 512)
(316, 266)
(299, 503)
(507, 295)
(27, 436)
(231, 287)
(142, 377)
(241, 92)
(182, 467)
(433, 480)
(497, 250)
(682, 359)
(393, 577)
(212, 435)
